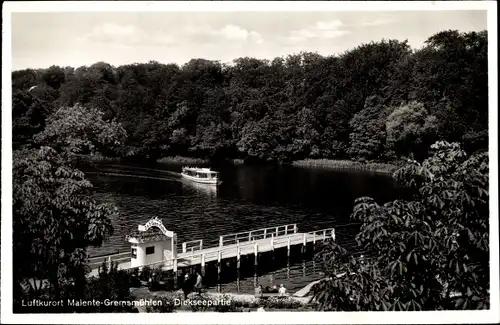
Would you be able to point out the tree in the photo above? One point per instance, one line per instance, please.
(318, 106)
(368, 135)
(426, 250)
(54, 76)
(55, 217)
(81, 130)
(54, 221)
(29, 115)
(410, 129)
(256, 141)
(307, 133)
(450, 76)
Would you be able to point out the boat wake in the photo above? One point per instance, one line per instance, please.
(142, 168)
(135, 176)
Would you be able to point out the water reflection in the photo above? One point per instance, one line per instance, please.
(275, 268)
(206, 189)
(249, 198)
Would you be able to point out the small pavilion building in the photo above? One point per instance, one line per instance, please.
(152, 244)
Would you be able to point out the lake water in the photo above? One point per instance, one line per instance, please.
(249, 198)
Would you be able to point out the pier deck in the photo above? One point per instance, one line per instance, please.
(253, 242)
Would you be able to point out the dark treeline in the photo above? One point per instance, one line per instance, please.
(379, 101)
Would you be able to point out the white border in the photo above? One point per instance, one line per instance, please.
(491, 316)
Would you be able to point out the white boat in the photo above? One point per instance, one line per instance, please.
(201, 175)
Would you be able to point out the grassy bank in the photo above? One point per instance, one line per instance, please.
(347, 165)
(307, 163)
(183, 160)
(97, 158)
(193, 161)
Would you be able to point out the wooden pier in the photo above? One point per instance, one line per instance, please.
(194, 253)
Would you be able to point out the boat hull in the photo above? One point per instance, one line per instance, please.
(201, 180)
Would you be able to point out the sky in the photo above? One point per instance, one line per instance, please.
(40, 40)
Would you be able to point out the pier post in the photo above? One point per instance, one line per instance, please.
(238, 253)
(109, 262)
(203, 264)
(175, 266)
(219, 265)
(250, 236)
(324, 234)
(314, 238)
(192, 252)
(272, 243)
(201, 244)
(288, 246)
(238, 280)
(256, 252)
(265, 233)
(184, 249)
(221, 242)
(304, 243)
(176, 280)
(277, 231)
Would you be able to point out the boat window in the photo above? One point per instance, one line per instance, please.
(150, 250)
(134, 252)
(202, 175)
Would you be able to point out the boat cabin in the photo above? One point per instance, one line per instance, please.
(200, 172)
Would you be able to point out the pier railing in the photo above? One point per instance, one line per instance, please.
(219, 254)
(191, 246)
(322, 234)
(95, 262)
(277, 235)
(248, 236)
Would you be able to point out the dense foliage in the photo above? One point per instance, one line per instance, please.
(431, 252)
(377, 101)
(55, 218)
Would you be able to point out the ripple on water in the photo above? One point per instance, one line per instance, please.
(249, 198)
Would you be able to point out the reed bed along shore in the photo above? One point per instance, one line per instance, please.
(193, 161)
(182, 160)
(98, 158)
(347, 165)
(306, 163)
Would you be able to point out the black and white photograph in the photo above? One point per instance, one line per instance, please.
(186, 162)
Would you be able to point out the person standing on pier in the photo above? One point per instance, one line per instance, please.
(282, 291)
(187, 285)
(258, 292)
(198, 284)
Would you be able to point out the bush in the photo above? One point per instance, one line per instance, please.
(281, 303)
(162, 280)
(145, 273)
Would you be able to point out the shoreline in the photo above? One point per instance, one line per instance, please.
(332, 164)
(193, 161)
(377, 167)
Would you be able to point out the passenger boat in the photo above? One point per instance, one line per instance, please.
(201, 175)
